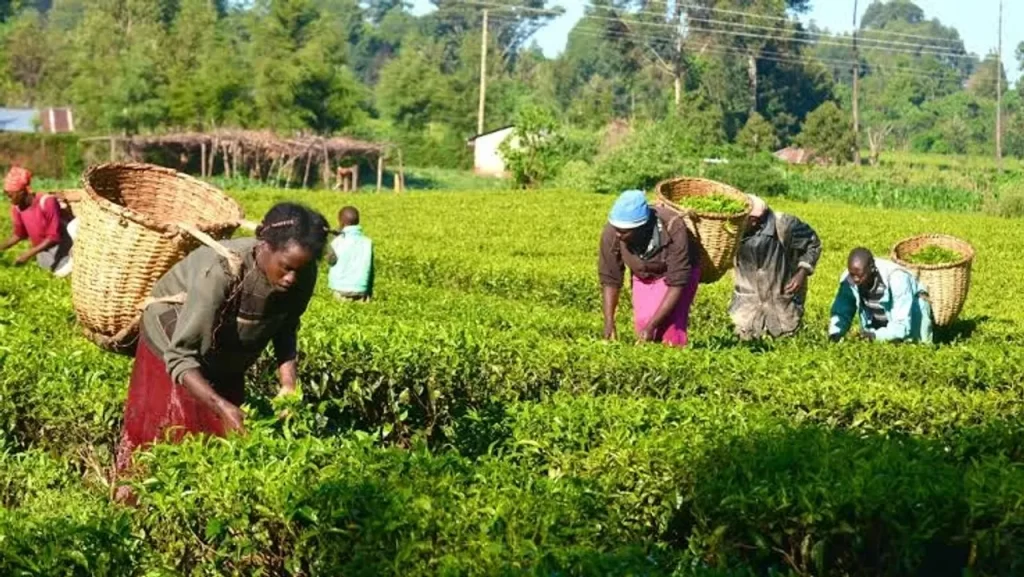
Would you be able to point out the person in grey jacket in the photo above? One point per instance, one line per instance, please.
(776, 256)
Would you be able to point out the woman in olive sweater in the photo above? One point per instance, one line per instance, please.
(208, 324)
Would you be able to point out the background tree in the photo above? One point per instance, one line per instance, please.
(828, 134)
(758, 135)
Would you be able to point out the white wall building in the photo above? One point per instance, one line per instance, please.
(487, 160)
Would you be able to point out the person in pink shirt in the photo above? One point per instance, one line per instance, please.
(39, 219)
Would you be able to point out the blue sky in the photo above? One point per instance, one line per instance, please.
(977, 21)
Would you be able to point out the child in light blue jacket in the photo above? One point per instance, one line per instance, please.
(351, 259)
(889, 301)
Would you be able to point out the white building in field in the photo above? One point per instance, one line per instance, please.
(487, 160)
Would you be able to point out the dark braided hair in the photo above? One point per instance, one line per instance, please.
(291, 222)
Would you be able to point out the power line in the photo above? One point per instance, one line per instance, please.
(769, 56)
(882, 45)
(936, 39)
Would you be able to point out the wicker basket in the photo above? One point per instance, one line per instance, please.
(137, 221)
(947, 284)
(717, 234)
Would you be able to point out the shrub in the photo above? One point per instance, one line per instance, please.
(758, 177)
(758, 135)
(660, 150)
(1007, 202)
(828, 134)
(534, 152)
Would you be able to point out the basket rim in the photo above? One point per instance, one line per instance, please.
(139, 218)
(967, 252)
(715, 215)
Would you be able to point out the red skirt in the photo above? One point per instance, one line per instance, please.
(159, 410)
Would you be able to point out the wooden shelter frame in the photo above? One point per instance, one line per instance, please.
(264, 155)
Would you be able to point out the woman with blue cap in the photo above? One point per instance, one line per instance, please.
(663, 259)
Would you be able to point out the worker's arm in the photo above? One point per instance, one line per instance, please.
(668, 303)
(206, 297)
(31, 253)
(677, 276)
(286, 341)
(804, 245)
(610, 272)
(50, 209)
(898, 327)
(10, 242)
(200, 389)
(805, 248)
(844, 307)
(609, 302)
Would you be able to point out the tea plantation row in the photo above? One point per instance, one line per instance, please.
(469, 422)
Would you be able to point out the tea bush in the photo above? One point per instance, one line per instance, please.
(469, 421)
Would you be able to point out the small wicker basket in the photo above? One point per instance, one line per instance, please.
(717, 234)
(136, 221)
(947, 283)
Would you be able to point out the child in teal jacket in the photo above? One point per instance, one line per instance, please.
(351, 259)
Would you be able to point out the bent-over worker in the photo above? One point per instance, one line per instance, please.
(206, 327)
(39, 219)
(891, 304)
(777, 254)
(663, 260)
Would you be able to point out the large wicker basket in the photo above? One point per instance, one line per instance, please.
(947, 284)
(136, 222)
(717, 234)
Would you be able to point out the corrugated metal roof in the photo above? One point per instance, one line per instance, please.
(17, 120)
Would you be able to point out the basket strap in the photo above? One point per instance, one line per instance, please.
(234, 261)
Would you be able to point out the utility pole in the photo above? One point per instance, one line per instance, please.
(856, 90)
(999, 93)
(483, 78)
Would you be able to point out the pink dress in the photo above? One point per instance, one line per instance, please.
(647, 297)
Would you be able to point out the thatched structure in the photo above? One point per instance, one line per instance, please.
(263, 155)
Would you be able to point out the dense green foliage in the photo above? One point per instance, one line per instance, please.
(375, 69)
(469, 421)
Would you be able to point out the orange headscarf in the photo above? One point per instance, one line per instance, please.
(17, 179)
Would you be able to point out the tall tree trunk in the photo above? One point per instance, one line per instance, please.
(680, 64)
(752, 78)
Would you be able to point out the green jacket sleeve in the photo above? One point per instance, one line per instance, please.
(193, 334)
(844, 308)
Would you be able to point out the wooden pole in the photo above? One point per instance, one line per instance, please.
(999, 94)
(325, 170)
(380, 171)
(202, 159)
(305, 176)
(401, 171)
(856, 90)
(113, 144)
(483, 78)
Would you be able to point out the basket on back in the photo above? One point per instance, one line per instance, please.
(947, 283)
(137, 221)
(717, 234)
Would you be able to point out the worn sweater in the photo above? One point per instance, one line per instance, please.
(223, 327)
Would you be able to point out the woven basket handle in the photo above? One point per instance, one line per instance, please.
(234, 261)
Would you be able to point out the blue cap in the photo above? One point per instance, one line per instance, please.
(630, 210)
